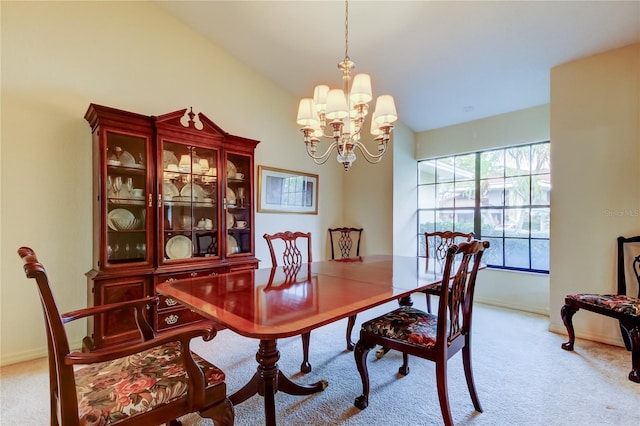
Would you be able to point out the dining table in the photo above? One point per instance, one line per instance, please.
(273, 303)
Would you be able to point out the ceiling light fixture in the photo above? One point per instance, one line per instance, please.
(345, 111)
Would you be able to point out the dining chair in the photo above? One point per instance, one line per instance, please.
(436, 246)
(624, 305)
(284, 245)
(152, 381)
(345, 241)
(435, 337)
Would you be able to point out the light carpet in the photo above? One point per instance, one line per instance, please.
(522, 376)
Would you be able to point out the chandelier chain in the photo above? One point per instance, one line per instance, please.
(346, 30)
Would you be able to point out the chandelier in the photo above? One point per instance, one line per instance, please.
(345, 110)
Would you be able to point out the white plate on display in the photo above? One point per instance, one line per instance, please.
(231, 196)
(168, 157)
(231, 170)
(169, 190)
(127, 159)
(193, 190)
(230, 220)
(179, 247)
(121, 215)
(232, 244)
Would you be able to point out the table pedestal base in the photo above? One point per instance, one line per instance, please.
(268, 380)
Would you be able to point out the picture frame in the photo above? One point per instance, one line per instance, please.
(287, 191)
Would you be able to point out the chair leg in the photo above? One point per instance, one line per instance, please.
(404, 368)
(360, 352)
(567, 313)
(634, 338)
(443, 393)
(350, 323)
(428, 302)
(381, 352)
(221, 413)
(468, 372)
(305, 367)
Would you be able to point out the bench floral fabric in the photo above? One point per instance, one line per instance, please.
(618, 303)
(146, 380)
(405, 323)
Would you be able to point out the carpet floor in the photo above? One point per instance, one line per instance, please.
(522, 376)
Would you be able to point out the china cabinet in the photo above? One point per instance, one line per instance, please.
(173, 198)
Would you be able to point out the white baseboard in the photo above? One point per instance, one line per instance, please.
(41, 352)
(501, 304)
(586, 334)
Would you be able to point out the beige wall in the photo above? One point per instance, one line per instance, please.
(524, 291)
(56, 59)
(595, 153)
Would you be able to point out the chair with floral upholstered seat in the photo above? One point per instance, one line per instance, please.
(623, 306)
(435, 337)
(153, 381)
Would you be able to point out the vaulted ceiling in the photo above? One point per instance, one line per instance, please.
(445, 62)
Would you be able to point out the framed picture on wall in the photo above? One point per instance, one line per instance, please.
(286, 191)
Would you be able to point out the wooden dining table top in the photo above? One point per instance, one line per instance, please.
(273, 303)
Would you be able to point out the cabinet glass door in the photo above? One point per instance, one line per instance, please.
(238, 204)
(125, 189)
(188, 217)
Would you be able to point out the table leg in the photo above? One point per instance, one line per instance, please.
(268, 380)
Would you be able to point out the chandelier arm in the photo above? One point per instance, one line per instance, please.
(321, 159)
(371, 158)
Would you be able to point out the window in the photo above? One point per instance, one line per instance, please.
(502, 195)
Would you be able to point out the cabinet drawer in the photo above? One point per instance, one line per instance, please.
(175, 318)
(191, 274)
(243, 267)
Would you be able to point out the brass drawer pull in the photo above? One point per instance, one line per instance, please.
(171, 319)
(170, 302)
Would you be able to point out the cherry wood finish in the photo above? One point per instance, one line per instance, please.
(452, 324)
(268, 304)
(210, 401)
(181, 204)
(442, 240)
(629, 318)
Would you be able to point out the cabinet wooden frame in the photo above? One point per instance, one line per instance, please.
(130, 233)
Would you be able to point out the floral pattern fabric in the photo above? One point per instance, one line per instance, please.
(407, 324)
(618, 303)
(111, 391)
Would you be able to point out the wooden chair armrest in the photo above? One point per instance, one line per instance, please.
(182, 335)
(101, 309)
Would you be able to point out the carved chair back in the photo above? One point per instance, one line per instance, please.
(294, 248)
(437, 243)
(344, 240)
